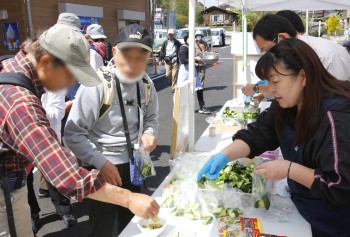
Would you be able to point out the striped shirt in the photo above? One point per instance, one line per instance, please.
(25, 131)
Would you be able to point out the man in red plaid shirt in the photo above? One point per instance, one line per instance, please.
(54, 61)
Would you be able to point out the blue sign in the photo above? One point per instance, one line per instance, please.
(11, 36)
(85, 21)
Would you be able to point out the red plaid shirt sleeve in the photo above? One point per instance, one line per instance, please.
(28, 132)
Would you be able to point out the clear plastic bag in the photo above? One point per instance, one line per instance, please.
(278, 213)
(144, 163)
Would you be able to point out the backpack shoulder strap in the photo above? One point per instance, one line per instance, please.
(17, 79)
(108, 92)
(147, 89)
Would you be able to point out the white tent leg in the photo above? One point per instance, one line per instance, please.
(307, 22)
(319, 28)
(191, 28)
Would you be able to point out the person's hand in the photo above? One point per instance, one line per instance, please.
(273, 170)
(260, 97)
(111, 174)
(212, 168)
(68, 106)
(149, 142)
(143, 206)
(248, 89)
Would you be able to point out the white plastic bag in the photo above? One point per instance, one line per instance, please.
(144, 163)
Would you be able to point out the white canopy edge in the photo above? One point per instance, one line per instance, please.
(278, 5)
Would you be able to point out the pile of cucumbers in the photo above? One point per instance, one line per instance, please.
(194, 211)
(233, 175)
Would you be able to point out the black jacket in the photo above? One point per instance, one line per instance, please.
(162, 52)
(184, 54)
(329, 157)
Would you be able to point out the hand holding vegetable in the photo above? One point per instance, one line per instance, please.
(143, 206)
(273, 170)
(212, 168)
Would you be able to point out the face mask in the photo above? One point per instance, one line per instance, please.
(199, 38)
(123, 79)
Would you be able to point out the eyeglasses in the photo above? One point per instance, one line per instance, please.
(264, 50)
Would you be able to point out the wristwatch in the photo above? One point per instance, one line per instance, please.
(256, 88)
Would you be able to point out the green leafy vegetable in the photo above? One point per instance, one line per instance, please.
(234, 175)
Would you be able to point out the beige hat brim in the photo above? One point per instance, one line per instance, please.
(86, 75)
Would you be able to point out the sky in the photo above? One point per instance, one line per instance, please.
(210, 3)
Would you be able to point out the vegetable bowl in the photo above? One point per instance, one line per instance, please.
(152, 227)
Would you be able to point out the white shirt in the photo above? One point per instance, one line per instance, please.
(54, 105)
(170, 48)
(96, 60)
(333, 56)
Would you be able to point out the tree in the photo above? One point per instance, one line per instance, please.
(252, 18)
(333, 25)
(181, 7)
(199, 13)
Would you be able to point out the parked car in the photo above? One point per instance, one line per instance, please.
(160, 35)
(206, 33)
(217, 36)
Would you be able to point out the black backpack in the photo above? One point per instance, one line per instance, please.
(13, 78)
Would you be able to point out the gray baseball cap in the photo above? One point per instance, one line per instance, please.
(71, 47)
(95, 31)
(70, 20)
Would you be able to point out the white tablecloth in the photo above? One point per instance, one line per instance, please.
(295, 227)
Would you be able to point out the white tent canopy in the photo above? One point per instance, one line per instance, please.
(277, 5)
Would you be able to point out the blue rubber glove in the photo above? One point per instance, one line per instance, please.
(212, 168)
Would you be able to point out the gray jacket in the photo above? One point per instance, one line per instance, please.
(95, 141)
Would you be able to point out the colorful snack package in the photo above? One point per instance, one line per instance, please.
(250, 226)
(269, 235)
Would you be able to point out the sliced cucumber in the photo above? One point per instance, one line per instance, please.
(168, 202)
(207, 220)
(231, 213)
(217, 210)
(223, 213)
(180, 212)
(189, 216)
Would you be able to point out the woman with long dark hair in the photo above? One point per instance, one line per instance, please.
(309, 121)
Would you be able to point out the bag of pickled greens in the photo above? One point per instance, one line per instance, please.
(144, 163)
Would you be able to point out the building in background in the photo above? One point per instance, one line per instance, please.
(112, 15)
(158, 18)
(215, 16)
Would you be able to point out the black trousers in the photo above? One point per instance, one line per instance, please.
(200, 98)
(108, 220)
(61, 203)
(32, 201)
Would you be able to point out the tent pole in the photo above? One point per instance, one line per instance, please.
(319, 28)
(307, 22)
(191, 70)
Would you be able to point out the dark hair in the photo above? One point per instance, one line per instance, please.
(269, 26)
(296, 55)
(186, 38)
(294, 19)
